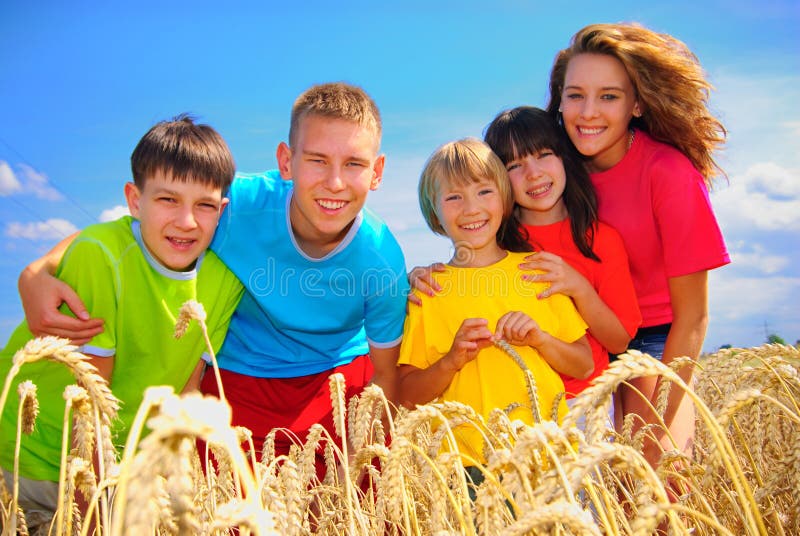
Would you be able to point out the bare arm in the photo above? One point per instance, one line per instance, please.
(42, 294)
(384, 363)
(193, 383)
(602, 321)
(570, 358)
(420, 386)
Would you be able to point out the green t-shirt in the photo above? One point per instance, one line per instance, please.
(139, 299)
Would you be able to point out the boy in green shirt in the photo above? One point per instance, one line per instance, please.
(135, 273)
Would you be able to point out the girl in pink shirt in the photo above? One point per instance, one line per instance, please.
(634, 104)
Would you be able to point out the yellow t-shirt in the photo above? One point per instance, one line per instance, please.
(493, 379)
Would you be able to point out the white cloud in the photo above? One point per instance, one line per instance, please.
(766, 196)
(52, 229)
(759, 259)
(38, 184)
(111, 214)
(8, 181)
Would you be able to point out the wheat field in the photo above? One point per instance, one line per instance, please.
(742, 478)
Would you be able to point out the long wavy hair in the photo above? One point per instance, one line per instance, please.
(526, 130)
(669, 82)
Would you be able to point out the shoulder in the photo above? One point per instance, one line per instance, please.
(113, 238)
(606, 237)
(374, 235)
(258, 189)
(665, 162)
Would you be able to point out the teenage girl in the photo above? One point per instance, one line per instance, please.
(635, 104)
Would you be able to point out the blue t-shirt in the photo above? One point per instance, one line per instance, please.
(302, 315)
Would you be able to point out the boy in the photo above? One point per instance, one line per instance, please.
(325, 279)
(135, 273)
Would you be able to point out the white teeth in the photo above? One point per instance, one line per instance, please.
(541, 189)
(331, 205)
(590, 131)
(473, 226)
(182, 241)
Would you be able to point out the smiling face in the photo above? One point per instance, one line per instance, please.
(538, 182)
(597, 104)
(177, 219)
(471, 214)
(334, 164)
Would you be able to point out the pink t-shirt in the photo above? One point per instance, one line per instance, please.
(659, 204)
(610, 278)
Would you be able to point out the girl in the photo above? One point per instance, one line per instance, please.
(634, 104)
(579, 257)
(447, 349)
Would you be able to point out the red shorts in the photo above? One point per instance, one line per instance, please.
(293, 404)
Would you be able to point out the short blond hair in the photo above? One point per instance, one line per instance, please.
(336, 100)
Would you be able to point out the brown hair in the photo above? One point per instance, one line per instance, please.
(461, 162)
(186, 151)
(669, 82)
(336, 100)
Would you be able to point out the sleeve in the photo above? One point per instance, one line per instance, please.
(413, 348)
(88, 268)
(232, 290)
(614, 284)
(691, 238)
(385, 308)
(571, 326)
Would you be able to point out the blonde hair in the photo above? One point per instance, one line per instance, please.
(669, 82)
(336, 100)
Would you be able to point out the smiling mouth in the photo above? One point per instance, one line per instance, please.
(181, 243)
(540, 190)
(593, 131)
(331, 204)
(474, 226)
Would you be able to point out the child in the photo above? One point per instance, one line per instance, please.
(577, 255)
(135, 273)
(447, 349)
(634, 104)
(325, 279)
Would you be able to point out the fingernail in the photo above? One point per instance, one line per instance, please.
(83, 315)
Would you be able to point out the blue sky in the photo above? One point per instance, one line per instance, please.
(81, 82)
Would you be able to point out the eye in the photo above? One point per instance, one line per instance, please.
(486, 191)
(573, 96)
(512, 166)
(167, 199)
(356, 164)
(452, 197)
(209, 206)
(609, 96)
(544, 154)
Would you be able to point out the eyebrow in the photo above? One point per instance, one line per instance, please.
(175, 193)
(351, 158)
(604, 88)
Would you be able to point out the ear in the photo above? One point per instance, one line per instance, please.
(223, 203)
(284, 157)
(377, 172)
(637, 109)
(132, 196)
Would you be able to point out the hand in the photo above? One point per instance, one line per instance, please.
(421, 279)
(519, 329)
(472, 337)
(42, 294)
(562, 277)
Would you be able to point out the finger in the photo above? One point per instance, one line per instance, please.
(413, 298)
(74, 303)
(438, 267)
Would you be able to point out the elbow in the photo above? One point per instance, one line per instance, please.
(588, 371)
(619, 346)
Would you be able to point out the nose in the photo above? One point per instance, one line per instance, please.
(588, 109)
(185, 219)
(471, 204)
(532, 168)
(334, 181)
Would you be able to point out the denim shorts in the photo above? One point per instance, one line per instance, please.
(651, 340)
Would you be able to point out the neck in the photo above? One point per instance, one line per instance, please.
(539, 218)
(465, 257)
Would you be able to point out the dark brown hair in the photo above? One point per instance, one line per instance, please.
(186, 152)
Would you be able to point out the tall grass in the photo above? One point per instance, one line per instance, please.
(742, 478)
